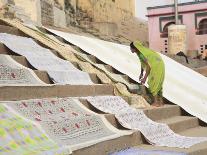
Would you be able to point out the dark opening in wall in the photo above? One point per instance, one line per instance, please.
(202, 27)
(164, 34)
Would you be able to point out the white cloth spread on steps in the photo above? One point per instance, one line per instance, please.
(14, 74)
(67, 121)
(156, 133)
(43, 59)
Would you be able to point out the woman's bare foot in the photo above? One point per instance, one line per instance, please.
(155, 105)
(161, 102)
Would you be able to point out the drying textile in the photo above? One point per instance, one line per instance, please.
(12, 73)
(20, 136)
(75, 77)
(134, 151)
(156, 133)
(182, 85)
(67, 121)
(43, 59)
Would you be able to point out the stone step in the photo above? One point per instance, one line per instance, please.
(95, 60)
(32, 92)
(2, 23)
(113, 70)
(5, 50)
(180, 123)
(42, 75)
(23, 61)
(167, 111)
(199, 149)
(11, 30)
(109, 146)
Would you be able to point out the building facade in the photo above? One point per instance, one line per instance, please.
(54, 12)
(191, 14)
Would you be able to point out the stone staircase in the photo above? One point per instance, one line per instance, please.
(177, 119)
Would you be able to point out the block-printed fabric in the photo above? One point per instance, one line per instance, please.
(12, 73)
(67, 121)
(20, 136)
(156, 133)
(43, 59)
(135, 151)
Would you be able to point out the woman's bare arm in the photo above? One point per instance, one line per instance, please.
(148, 69)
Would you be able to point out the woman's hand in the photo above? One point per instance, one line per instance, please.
(140, 76)
(143, 80)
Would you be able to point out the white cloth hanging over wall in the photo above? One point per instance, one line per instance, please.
(43, 59)
(182, 85)
(14, 74)
(158, 134)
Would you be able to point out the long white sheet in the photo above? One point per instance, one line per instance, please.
(182, 85)
(156, 133)
(43, 59)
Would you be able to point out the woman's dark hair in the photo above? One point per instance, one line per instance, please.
(132, 45)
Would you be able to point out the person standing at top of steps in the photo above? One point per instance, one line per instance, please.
(153, 65)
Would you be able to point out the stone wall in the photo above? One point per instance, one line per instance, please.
(65, 12)
(47, 12)
(112, 11)
(30, 8)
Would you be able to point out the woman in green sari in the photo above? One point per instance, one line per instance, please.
(153, 65)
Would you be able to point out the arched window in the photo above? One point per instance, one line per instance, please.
(164, 33)
(202, 27)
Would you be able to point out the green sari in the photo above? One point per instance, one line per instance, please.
(157, 72)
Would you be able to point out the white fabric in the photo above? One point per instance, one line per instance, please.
(14, 74)
(67, 121)
(51, 64)
(182, 85)
(75, 77)
(156, 133)
(43, 59)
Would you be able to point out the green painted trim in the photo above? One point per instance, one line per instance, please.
(200, 14)
(168, 18)
(181, 4)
